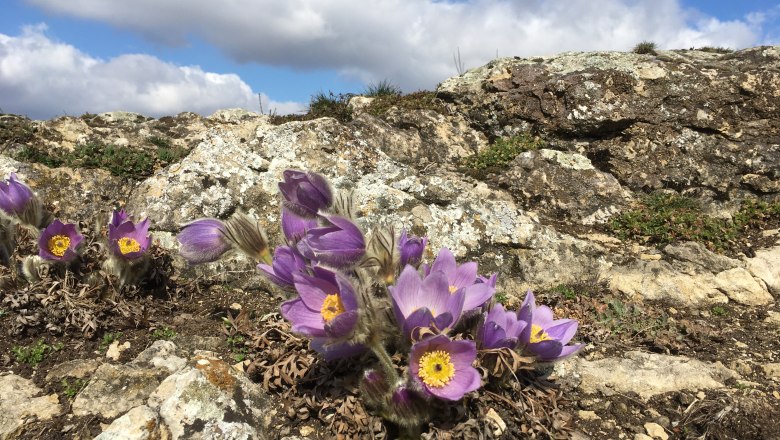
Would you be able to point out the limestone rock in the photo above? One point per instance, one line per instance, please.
(115, 389)
(766, 266)
(739, 286)
(161, 354)
(77, 368)
(140, 423)
(564, 185)
(209, 397)
(20, 401)
(659, 280)
(646, 374)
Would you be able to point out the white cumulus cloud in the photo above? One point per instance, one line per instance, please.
(41, 78)
(410, 42)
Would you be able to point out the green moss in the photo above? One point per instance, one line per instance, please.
(665, 218)
(503, 151)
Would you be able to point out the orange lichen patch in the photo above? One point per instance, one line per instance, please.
(217, 372)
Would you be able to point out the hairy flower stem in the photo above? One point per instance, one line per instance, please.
(384, 360)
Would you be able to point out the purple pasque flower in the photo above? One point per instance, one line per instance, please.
(287, 262)
(462, 277)
(501, 329)
(294, 227)
(422, 303)
(411, 249)
(203, 241)
(326, 306)
(442, 367)
(128, 240)
(340, 244)
(543, 336)
(117, 218)
(305, 193)
(59, 241)
(14, 196)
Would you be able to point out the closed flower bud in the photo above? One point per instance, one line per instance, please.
(305, 193)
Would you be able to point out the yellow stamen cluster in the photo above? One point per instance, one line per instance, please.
(128, 245)
(538, 334)
(331, 307)
(436, 368)
(58, 244)
(453, 289)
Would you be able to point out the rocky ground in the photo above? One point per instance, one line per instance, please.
(639, 194)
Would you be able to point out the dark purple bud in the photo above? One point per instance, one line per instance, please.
(340, 245)
(59, 241)
(305, 193)
(203, 241)
(411, 249)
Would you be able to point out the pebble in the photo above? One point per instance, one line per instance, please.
(655, 430)
(700, 395)
(306, 431)
(115, 350)
(588, 415)
(642, 437)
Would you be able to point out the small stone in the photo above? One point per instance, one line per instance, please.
(650, 257)
(588, 415)
(772, 371)
(770, 232)
(700, 395)
(497, 422)
(776, 394)
(203, 362)
(235, 306)
(642, 437)
(673, 311)
(115, 350)
(306, 431)
(655, 430)
(740, 344)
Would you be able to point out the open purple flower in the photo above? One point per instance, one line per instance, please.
(203, 241)
(59, 241)
(340, 245)
(14, 196)
(325, 308)
(442, 367)
(501, 329)
(294, 227)
(462, 277)
(411, 249)
(128, 240)
(424, 303)
(286, 263)
(305, 193)
(544, 336)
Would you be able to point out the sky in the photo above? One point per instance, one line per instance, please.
(163, 57)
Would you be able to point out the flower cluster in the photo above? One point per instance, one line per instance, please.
(59, 244)
(355, 293)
